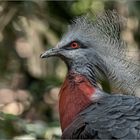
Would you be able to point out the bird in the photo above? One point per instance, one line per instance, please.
(93, 50)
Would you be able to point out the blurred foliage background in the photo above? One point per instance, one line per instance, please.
(29, 86)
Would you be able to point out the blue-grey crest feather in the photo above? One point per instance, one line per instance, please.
(104, 36)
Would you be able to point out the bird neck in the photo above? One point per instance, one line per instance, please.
(75, 95)
(84, 68)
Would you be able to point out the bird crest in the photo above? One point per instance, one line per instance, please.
(103, 35)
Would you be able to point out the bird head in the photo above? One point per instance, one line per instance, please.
(76, 48)
(95, 49)
(75, 53)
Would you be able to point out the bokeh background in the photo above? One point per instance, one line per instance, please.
(29, 86)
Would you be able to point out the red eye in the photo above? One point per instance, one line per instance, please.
(75, 45)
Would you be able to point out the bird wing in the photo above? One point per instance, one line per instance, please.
(112, 117)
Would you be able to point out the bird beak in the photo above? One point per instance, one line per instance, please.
(50, 52)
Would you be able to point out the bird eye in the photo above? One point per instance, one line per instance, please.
(74, 45)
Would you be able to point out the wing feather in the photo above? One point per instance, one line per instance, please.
(104, 120)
